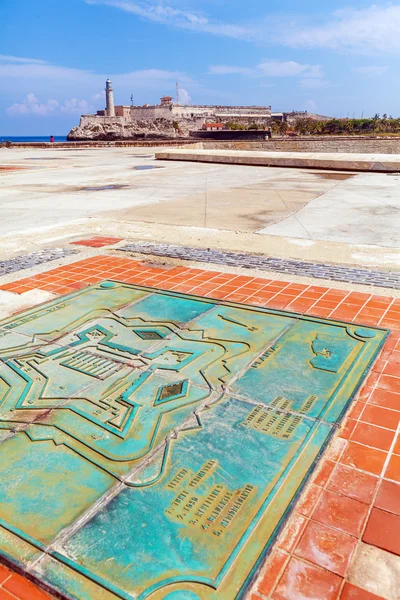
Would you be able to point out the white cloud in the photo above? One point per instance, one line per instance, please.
(32, 106)
(27, 75)
(161, 12)
(271, 68)
(314, 84)
(184, 97)
(228, 70)
(366, 31)
(76, 107)
(98, 96)
(19, 59)
(369, 30)
(276, 68)
(372, 70)
(311, 106)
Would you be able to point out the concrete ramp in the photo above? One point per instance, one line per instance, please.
(382, 163)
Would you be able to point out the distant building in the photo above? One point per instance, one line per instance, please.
(213, 126)
(166, 101)
(169, 110)
(292, 117)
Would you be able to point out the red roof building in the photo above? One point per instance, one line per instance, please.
(213, 126)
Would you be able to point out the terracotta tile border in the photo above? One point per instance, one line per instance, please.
(351, 493)
(98, 242)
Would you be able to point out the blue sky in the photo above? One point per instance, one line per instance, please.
(335, 58)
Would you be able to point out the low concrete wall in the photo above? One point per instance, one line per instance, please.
(330, 145)
(375, 163)
(100, 144)
(348, 145)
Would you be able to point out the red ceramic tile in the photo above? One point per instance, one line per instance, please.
(97, 242)
(308, 500)
(385, 399)
(326, 547)
(372, 379)
(271, 572)
(335, 449)
(364, 458)
(376, 437)
(304, 581)
(341, 512)
(393, 470)
(4, 595)
(364, 393)
(352, 483)
(291, 532)
(383, 531)
(381, 416)
(319, 311)
(393, 365)
(24, 589)
(347, 428)
(388, 497)
(352, 592)
(356, 410)
(4, 573)
(379, 365)
(390, 383)
(323, 473)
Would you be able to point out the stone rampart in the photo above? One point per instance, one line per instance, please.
(87, 120)
(178, 111)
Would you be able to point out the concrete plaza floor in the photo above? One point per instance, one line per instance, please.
(350, 218)
(342, 539)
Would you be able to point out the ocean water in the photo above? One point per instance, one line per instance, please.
(27, 138)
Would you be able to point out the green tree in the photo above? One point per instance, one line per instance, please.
(235, 126)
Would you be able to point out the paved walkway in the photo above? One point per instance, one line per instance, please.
(342, 540)
(280, 211)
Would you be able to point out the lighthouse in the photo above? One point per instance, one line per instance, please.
(110, 108)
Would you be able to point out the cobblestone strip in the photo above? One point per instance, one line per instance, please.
(281, 265)
(28, 261)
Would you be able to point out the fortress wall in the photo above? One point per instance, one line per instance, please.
(177, 111)
(190, 112)
(150, 113)
(91, 119)
(247, 111)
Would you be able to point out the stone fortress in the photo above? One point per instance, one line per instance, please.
(165, 120)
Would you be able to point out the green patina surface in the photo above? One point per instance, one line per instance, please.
(151, 443)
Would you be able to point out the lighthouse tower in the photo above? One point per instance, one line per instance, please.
(110, 108)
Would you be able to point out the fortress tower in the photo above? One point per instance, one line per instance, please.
(110, 108)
